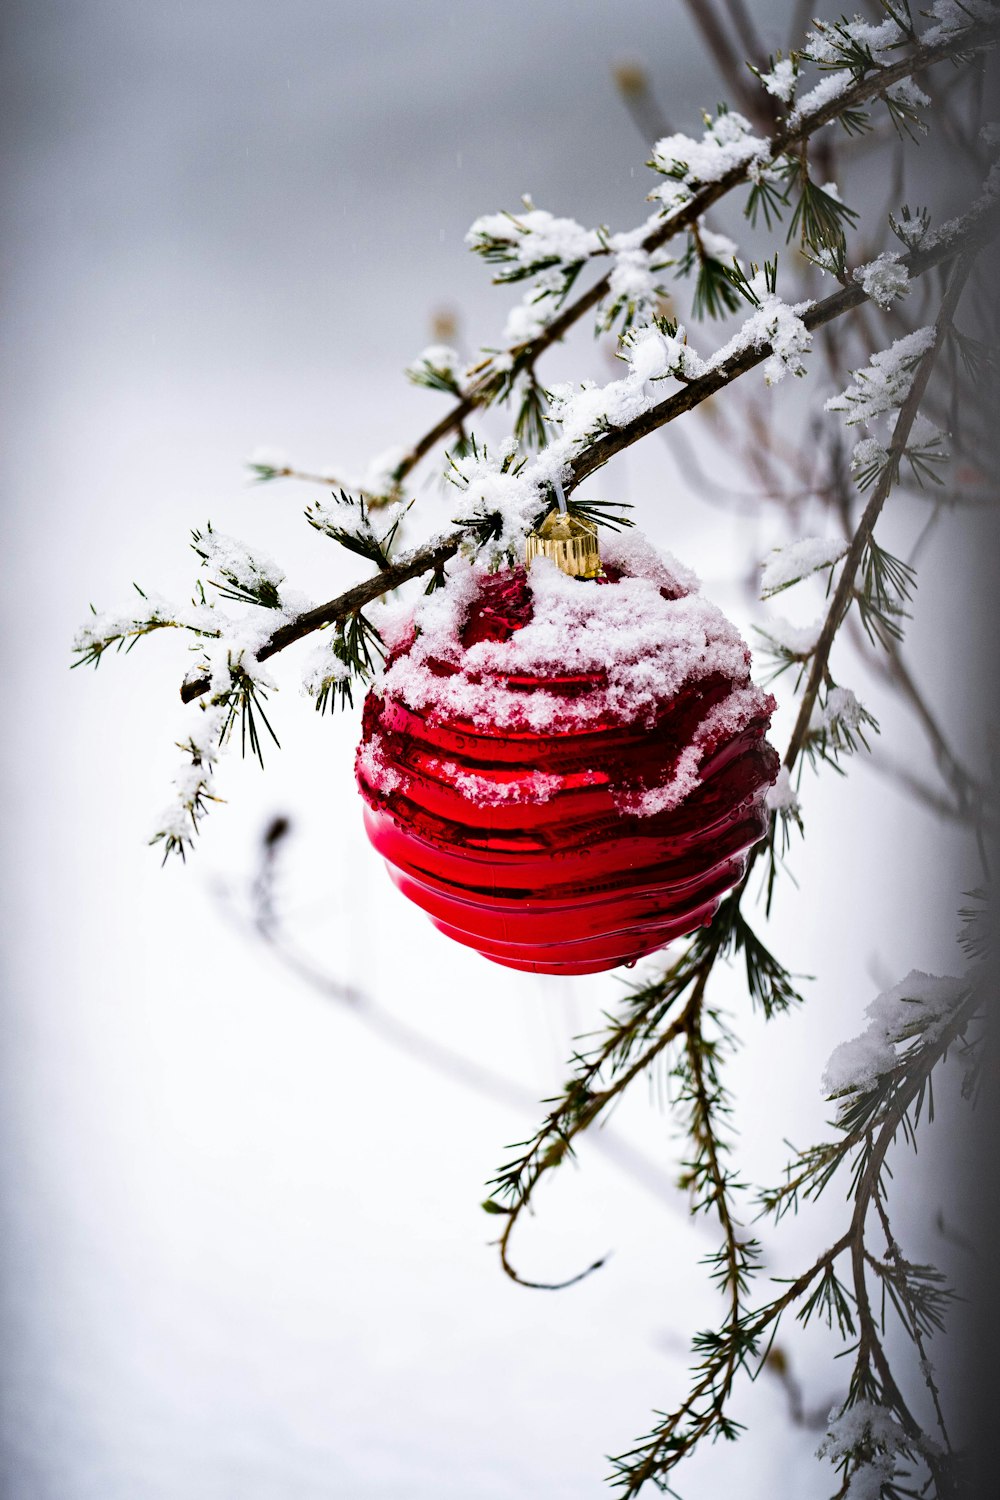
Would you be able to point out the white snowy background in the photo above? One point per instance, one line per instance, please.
(244, 1257)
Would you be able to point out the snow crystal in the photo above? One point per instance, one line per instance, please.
(925, 434)
(238, 646)
(909, 95)
(232, 559)
(782, 796)
(654, 353)
(786, 565)
(439, 357)
(884, 279)
(866, 452)
(781, 80)
(633, 239)
(344, 515)
(919, 1005)
(492, 791)
(525, 322)
(323, 666)
(376, 769)
(109, 625)
(594, 407)
(729, 718)
(633, 553)
(884, 385)
(392, 617)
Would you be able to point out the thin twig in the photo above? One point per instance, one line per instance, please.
(844, 592)
(423, 560)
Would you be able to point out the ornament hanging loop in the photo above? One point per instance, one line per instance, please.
(569, 541)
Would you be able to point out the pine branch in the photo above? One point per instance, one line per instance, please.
(973, 232)
(640, 1031)
(873, 1126)
(725, 1352)
(425, 560)
(791, 136)
(861, 541)
(970, 234)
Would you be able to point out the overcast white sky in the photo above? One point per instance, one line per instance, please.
(244, 1256)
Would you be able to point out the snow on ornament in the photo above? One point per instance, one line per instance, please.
(566, 771)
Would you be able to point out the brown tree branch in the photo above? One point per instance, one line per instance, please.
(696, 391)
(412, 565)
(921, 57)
(967, 239)
(844, 592)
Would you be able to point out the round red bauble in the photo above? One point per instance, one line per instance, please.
(566, 774)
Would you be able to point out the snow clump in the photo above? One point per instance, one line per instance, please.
(796, 560)
(884, 385)
(728, 143)
(920, 1005)
(781, 80)
(884, 279)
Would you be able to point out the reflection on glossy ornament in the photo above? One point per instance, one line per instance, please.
(567, 774)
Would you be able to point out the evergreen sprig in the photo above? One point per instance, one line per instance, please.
(870, 1125)
(434, 377)
(609, 513)
(715, 291)
(529, 422)
(819, 219)
(348, 522)
(766, 200)
(769, 984)
(887, 585)
(244, 704)
(355, 649)
(241, 577)
(105, 633)
(841, 731)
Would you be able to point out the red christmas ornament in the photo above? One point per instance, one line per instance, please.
(567, 774)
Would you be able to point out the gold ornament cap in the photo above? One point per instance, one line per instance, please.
(569, 541)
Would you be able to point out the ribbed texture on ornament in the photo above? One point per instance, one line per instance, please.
(570, 851)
